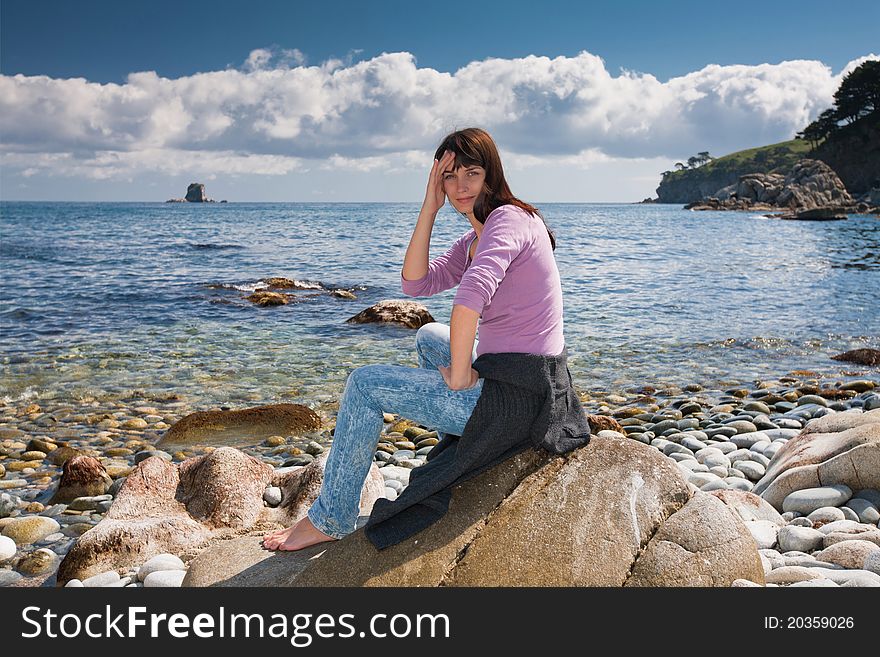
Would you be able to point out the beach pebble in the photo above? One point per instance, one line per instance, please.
(88, 503)
(750, 469)
(394, 485)
(390, 493)
(164, 579)
(8, 504)
(849, 554)
(802, 539)
(143, 455)
(800, 522)
(764, 532)
(791, 574)
(745, 583)
(272, 496)
(865, 510)
(843, 526)
(814, 583)
(700, 479)
(161, 562)
(74, 584)
(826, 514)
(38, 562)
(397, 473)
(808, 500)
(7, 548)
(101, 579)
(9, 577)
(872, 562)
(30, 529)
(739, 483)
(849, 514)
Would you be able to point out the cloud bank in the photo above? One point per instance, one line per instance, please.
(276, 115)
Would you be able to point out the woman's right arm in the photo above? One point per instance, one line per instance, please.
(419, 276)
(415, 264)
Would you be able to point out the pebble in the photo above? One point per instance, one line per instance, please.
(8, 504)
(801, 522)
(101, 579)
(143, 455)
(764, 532)
(74, 584)
(165, 579)
(849, 554)
(826, 514)
(792, 574)
(751, 470)
(821, 582)
(30, 529)
(803, 539)
(872, 562)
(161, 562)
(809, 499)
(38, 562)
(390, 494)
(88, 503)
(8, 577)
(7, 548)
(272, 496)
(865, 510)
(849, 514)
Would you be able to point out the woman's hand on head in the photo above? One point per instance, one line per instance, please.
(474, 378)
(435, 195)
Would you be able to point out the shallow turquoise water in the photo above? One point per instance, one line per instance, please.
(112, 300)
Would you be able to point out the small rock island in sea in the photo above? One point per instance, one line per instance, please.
(195, 193)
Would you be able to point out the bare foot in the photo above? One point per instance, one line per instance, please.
(301, 535)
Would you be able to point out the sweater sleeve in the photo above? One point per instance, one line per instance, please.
(444, 272)
(505, 235)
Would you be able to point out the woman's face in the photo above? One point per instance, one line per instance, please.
(462, 186)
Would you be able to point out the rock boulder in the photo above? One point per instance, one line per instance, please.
(613, 513)
(410, 314)
(181, 509)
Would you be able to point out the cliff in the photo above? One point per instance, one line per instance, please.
(853, 152)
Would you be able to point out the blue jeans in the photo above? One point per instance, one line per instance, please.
(416, 393)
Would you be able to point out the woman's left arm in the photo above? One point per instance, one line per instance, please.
(462, 333)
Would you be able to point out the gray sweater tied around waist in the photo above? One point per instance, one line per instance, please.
(526, 400)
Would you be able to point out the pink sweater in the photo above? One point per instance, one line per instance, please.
(513, 282)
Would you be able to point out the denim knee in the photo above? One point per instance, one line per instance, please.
(429, 331)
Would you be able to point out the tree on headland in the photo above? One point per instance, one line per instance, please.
(679, 166)
(859, 92)
(857, 96)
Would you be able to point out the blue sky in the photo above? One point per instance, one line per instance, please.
(346, 101)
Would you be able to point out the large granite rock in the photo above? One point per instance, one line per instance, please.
(840, 448)
(248, 425)
(410, 314)
(811, 190)
(588, 518)
(181, 509)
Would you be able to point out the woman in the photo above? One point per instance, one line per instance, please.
(508, 284)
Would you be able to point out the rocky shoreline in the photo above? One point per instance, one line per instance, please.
(720, 440)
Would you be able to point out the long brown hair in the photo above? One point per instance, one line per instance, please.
(474, 146)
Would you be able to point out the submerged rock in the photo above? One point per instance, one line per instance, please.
(249, 425)
(410, 314)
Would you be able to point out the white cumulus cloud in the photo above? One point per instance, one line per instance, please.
(275, 114)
